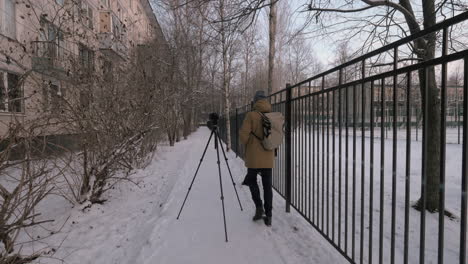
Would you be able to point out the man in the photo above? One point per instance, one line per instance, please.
(257, 159)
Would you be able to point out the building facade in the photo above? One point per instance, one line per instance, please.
(45, 42)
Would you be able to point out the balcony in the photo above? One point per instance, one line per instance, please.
(111, 46)
(49, 59)
(111, 36)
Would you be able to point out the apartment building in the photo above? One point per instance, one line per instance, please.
(43, 41)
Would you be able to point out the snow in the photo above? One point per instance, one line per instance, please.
(138, 224)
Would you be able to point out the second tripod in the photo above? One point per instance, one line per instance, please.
(217, 142)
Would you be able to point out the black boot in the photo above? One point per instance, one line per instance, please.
(267, 220)
(258, 214)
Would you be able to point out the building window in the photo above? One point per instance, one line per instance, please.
(120, 11)
(86, 57)
(11, 94)
(117, 27)
(60, 2)
(8, 18)
(86, 13)
(52, 96)
(54, 39)
(104, 3)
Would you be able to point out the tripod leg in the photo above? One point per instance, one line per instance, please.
(230, 173)
(221, 185)
(193, 180)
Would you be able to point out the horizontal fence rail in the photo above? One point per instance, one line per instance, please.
(369, 142)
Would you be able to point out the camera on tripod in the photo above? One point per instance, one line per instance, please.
(213, 121)
(213, 126)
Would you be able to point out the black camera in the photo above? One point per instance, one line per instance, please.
(213, 121)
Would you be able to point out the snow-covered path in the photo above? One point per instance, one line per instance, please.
(198, 236)
(139, 226)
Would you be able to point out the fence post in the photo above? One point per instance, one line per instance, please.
(237, 137)
(288, 156)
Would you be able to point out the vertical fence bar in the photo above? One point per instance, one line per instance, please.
(422, 237)
(443, 123)
(328, 163)
(284, 155)
(408, 167)
(371, 171)
(346, 166)
(295, 148)
(299, 152)
(314, 118)
(317, 155)
(287, 173)
(465, 164)
(298, 162)
(303, 161)
(340, 80)
(382, 166)
(309, 109)
(457, 101)
(363, 151)
(333, 166)
(394, 155)
(301, 157)
(317, 124)
(353, 253)
(323, 152)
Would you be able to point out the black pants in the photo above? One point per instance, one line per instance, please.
(251, 181)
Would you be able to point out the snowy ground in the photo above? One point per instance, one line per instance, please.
(138, 224)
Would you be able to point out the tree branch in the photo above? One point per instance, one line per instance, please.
(400, 8)
(337, 10)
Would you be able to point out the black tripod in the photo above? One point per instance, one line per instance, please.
(214, 131)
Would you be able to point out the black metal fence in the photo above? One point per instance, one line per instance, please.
(351, 163)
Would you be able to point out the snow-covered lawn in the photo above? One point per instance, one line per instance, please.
(138, 225)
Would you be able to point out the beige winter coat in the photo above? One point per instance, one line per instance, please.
(256, 157)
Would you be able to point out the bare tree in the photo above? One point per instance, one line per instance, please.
(300, 61)
(272, 45)
(226, 36)
(249, 45)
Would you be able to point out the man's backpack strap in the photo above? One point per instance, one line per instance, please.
(266, 124)
(262, 116)
(256, 136)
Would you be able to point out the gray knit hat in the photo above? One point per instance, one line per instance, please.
(259, 95)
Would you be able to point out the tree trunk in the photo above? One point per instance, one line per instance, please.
(225, 78)
(272, 48)
(433, 123)
(86, 177)
(425, 50)
(170, 137)
(187, 122)
(177, 133)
